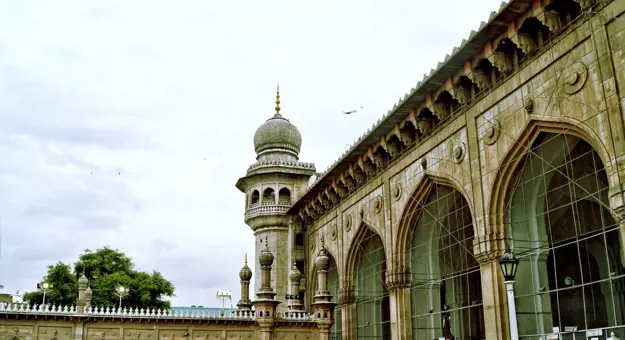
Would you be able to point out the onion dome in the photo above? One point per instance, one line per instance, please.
(322, 259)
(88, 293)
(277, 134)
(294, 274)
(246, 273)
(82, 281)
(266, 257)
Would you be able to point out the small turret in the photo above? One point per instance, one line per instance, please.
(245, 304)
(265, 304)
(322, 305)
(82, 287)
(295, 277)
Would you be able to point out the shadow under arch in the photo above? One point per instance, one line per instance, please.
(413, 207)
(501, 188)
(351, 260)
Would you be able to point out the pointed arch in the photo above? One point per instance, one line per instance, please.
(351, 260)
(501, 188)
(413, 207)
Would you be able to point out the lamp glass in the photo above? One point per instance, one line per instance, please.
(509, 265)
(46, 285)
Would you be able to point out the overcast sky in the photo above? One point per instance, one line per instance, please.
(150, 89)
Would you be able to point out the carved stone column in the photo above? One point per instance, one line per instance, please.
(494, 300)
(322, 305)
(398, 282)
(265, 304)
(348, 311)
(81, 301)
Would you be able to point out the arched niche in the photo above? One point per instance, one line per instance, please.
(269, 196)
(445, 281)
(559, 224)
(366, 272)
(284, 196)
(254, 198)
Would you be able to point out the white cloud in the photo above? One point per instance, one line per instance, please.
(150, 89)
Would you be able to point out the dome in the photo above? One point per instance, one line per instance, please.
(246, 273)
(266, 257)
(82, 281)
(294, 274)
(322, 259)
(277, 133)
(88, 293)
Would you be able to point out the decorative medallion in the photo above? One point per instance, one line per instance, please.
(492, 132)
(362, 213)
(312, 246)
(528, 104)
(397, 192)
(458, 153)
(377, 204)
(424, 163)
(574, 78)
(333, 233)
(348, 222)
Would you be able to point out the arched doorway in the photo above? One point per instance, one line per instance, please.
(571, 273)
(372, 296)
(446, 292)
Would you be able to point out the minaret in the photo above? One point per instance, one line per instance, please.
(245, 304)
(294, 277)
(322, 305)
(271, 186)
(265, 304)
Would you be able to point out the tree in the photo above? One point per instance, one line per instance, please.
(106, 269)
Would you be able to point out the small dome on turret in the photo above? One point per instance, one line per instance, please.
(88, 293)
(246, 273)
(82, 281)
(294, 274)
(278, 134)
(322, 259)
(266, 257)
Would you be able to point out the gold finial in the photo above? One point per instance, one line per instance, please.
(246, 259)
(278, 99)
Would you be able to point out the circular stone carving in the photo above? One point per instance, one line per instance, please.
(348, 222)
(458, 153)
(362, 213)
(377, 204)
(528, 104)
(424, 163)
(397, 192)
(492, 132)
(312, 246)
(574, 78)
(333, 233)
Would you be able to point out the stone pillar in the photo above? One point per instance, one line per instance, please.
(348, 311)
(295, 277)
(81, 301)
(88, 295)
(494, 299)
(245, 304)
(398, 282)
(323, 308)
(265, 304)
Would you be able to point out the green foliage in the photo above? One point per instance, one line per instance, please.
(106, 269)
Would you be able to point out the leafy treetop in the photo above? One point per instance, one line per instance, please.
(106, 269)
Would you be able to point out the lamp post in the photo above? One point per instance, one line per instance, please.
(509, 264)
(44, 286)
(223, 296)
(121, 292)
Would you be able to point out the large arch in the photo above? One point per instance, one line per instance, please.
(413, 207)
(500, 187)
(435, 246)
(552, 205)
(365, 271)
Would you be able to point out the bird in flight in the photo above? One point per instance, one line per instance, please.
(350, 112)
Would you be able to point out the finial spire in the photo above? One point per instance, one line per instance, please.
(323, 243)
(278, 100)
(245, 258)
(266, 243)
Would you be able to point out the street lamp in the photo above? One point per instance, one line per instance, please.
(44, 286)
(509, 265)
(223, 296)
(121, 292)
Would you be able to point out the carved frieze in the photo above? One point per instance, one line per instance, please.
(206, 335)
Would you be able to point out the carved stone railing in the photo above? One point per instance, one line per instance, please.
(266, 209)
(296, 316)
(19, 308)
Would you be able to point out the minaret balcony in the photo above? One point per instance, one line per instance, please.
(266, 209)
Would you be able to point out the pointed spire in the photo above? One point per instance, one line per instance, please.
(278, 100)
(246, 259)
(266, 243)
(323, 243)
